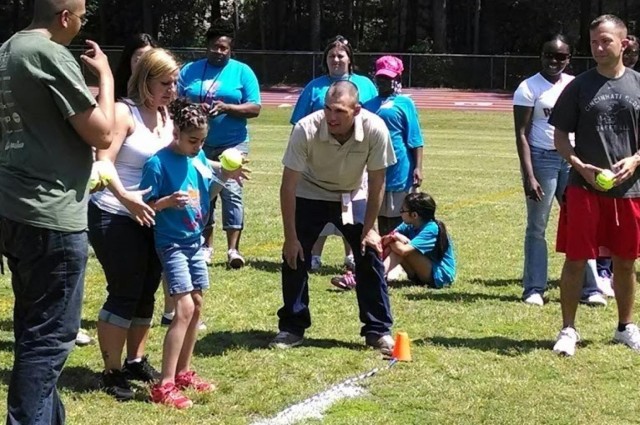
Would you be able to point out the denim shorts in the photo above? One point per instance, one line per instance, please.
(231, 196)
(185, 268)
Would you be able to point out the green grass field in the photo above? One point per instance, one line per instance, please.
(480, 355)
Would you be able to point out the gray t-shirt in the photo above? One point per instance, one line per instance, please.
(44, 164)
(603, 113)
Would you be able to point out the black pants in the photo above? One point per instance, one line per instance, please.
(371, 288)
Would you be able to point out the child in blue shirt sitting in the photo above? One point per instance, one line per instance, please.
(421, 244)
(181, 182)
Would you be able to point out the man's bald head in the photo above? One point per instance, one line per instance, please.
(343, 89)
(45, 10)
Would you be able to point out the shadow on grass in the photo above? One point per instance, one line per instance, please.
(460, 297)
(396, 284)
(216, 344)
(496, 282)
(494, 344)
(555, 283)
(276, 267)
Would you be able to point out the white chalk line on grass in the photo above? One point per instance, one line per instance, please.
(315, 406)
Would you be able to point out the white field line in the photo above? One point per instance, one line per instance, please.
(316, 405)
(313, 407)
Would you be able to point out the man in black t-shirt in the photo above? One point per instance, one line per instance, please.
(602, 108)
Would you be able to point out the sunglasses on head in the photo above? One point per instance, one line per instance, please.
(557, 56)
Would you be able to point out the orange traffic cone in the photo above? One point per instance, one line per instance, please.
(402, 349)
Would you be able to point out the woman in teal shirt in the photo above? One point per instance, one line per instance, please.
(231, 89)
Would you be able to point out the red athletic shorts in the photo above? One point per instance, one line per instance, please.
(590, 221)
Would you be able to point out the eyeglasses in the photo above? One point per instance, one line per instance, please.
(83, 19)
(631, 53)
(557, 56)
(402, 211)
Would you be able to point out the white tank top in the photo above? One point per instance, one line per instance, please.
(136, 149)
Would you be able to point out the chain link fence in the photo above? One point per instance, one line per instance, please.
(476, 72)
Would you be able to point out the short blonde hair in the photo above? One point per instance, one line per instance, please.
(153, 64)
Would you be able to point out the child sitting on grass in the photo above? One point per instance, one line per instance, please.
(420, 245)
(181, 183)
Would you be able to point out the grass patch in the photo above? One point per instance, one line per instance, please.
(480, 355)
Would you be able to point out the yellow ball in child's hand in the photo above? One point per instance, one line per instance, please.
(231, 159)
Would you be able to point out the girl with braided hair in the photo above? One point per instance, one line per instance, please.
(181, 183)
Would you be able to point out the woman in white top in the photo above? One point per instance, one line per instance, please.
(124, 248)
(544, 171)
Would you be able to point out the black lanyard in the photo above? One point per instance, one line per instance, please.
(213, 82)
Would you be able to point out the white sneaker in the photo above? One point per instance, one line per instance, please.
(316, 262)
(208, 254)
(235, 260)
(534, 299)
(350, 263)
(397, 274)
(629, 337)
(595, 300)
(605, 285)
(566, 342)
(83, 338)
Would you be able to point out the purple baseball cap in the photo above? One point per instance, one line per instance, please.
(389, 66)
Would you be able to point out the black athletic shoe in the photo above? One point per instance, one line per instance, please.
(140, 371)
(113, 382)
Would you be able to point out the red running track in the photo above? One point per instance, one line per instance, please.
(447, 99)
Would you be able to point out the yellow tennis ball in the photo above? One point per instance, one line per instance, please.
(605, 179)
(231, 159)
(101, 173)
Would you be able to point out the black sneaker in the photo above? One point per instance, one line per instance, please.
(113, 382)
(285, 340)
(382, 343)
(140, 371)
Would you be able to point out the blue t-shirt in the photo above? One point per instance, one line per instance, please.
(424, 241)
(312, 97)
(400, 115)
(235, 83)
(167, 172)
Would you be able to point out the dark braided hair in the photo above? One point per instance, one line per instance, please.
(425, 206)
(187, 115)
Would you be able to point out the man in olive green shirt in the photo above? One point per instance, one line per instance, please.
(49, 123)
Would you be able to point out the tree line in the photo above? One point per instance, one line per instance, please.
(429, 26)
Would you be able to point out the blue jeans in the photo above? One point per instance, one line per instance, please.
(47, 269)
(231, 196)
(371, 288)
(552, 173)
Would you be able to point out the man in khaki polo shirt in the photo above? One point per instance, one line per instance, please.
(327, 155)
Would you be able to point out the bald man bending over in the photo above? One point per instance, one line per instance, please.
(49, 124)
(324, 162)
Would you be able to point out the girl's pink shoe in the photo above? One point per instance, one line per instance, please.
(190, 379)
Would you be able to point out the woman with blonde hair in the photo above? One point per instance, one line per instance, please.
(120, 223)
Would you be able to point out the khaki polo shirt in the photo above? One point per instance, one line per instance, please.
(330, 169)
